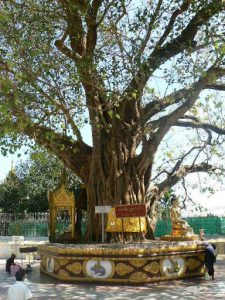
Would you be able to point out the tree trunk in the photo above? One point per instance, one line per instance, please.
(113, 180)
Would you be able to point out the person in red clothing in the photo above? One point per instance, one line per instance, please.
(14, 268)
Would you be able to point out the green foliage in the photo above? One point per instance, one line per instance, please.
(132, 70)
(27, 189)
(12, 195)
(164, 205)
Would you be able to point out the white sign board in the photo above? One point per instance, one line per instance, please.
(102, 209)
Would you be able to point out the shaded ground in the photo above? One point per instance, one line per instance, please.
(46, 288)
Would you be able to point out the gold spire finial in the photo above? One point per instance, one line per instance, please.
(12, 170)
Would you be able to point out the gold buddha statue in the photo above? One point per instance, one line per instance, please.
(180, 227)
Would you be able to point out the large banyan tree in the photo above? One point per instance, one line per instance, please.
(133, 72)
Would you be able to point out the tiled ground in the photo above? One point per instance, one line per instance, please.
(46, 288)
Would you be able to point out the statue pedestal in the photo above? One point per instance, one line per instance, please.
(180, 233)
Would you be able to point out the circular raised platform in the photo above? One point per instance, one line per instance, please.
(123, 263)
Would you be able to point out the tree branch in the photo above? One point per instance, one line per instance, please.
(184, 7)
(156, 106)
(183, 172)
(205, 126)
(91, 21)
(216, 86)
(149, 31)
(105, 11)
(166, 122)
(184, 41)
(74, 10)
(212, 74)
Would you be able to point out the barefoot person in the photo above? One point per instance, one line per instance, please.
(19, 290)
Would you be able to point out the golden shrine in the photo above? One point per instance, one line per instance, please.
(61, 200)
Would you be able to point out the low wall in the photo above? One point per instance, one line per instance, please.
(211, 225)
(11, 244)
(220, 243)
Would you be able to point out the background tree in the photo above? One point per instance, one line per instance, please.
(12, 194)
(133, 70)
(26, 188)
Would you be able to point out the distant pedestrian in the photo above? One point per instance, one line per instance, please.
(210, 259)
(19, 290)
(9, 262)
(201, 235)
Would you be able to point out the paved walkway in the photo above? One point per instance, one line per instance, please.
(46, 288)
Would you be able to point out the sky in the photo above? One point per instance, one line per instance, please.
(5, 164)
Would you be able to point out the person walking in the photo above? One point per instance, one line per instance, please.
(19, 290)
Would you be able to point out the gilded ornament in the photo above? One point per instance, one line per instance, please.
(64, 262)
(138, 262)
(114, 224)
(75, 268)
(123, 269)
(63, 274)
(139, 277)
(201, 256)
(193, 263)
(56, 267)
(153, 267)
(43, 262)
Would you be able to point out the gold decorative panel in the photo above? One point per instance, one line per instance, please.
(75, 268)
(193, 263)
(63, 274)
(201, 257)
(153, 267)
(114, 224)
(64, 262)
(138, 262)
(139, 277)
(123, 269)
(43, 262)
